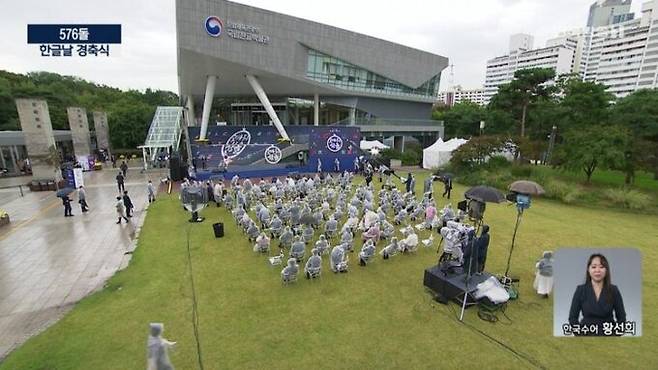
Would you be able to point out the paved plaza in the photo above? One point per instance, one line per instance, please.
(49, 262)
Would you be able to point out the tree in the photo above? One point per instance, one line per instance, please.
(639, 113)
(54, 160)
(591, 148)
(476, 150)
(583, 103)
(463, 119)
(528, 86)
(129, 112)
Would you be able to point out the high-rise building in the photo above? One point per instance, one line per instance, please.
(459, 95)
(620, 52)
(607, 12)
(557, 55)
(624, 56)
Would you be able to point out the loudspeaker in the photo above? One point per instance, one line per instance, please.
(218, 228)
(175, 172)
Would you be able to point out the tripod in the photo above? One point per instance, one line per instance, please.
(478, 223)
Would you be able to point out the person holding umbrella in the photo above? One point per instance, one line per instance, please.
(67, 206)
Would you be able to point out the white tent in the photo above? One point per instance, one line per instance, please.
(372, 146)
(439, 153)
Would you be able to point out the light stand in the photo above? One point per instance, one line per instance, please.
(522, 203)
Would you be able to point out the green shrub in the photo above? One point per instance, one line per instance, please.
(521, 172)
(631, 199)
(573, 195)
(498, 161)
(411, 158)
(556, 189)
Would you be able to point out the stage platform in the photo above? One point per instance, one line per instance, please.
(256, 151)
(253, 172)
(452, 286)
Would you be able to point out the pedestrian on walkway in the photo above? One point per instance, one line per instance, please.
(82, 199)
(67, 206)
(124, 168)
(120, 179)
(121, 210)
(128, 203)
(151, 191)
(114, 161)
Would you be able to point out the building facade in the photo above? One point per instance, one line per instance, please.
(620, 52)
(559, 56)
(606, 12)
(624, 56)
(459, 95)
(240, 65)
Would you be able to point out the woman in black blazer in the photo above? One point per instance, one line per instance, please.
(597, 298)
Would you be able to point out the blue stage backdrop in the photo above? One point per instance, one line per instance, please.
(254, 151)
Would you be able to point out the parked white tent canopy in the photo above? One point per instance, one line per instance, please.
(439, 153)
(372, 146)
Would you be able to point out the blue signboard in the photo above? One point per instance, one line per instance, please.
(73, 33)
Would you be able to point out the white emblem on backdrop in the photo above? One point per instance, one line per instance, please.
(273, 154)
(334, 143)
(236, 144)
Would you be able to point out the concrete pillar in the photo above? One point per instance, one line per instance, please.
(35, 123)
(2, 159)
(191, 121)
(102, 131)
(316, 110)
(352, 116)
(207, 106)
(14, 159)
(398, 143)
(79, 131)
(260, 93)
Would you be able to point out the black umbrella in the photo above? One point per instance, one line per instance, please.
(61, 193)
(485, 194)
(526, 187)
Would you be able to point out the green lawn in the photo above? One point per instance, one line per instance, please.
(374, 317)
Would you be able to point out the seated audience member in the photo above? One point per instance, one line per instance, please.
(373, 233)
(262, 243)
(367, 252)
(347, 238)
(322, 245)
(338, 259)
(390, 250)
(313, 265)
(330, 227)
(298, 249)
(410, 241)
(289, 273)
(286, 238)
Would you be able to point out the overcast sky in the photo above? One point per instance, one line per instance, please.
(468, 32)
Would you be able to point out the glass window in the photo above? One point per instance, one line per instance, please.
(327, 69)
